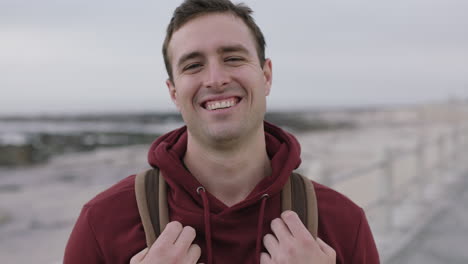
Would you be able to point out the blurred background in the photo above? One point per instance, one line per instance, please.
(375, 91)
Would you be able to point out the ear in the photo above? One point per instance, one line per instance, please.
(268, 74)
(172, 92)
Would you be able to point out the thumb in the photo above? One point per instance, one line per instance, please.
(139, 256)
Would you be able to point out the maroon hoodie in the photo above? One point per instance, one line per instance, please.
(109, 229)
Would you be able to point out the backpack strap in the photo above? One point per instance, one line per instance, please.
(151, 196)
(298, 195)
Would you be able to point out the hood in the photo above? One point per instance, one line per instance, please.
(225, 234)
(167, 151)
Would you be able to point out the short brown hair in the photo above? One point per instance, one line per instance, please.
(191, 9)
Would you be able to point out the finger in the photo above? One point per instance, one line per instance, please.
(185, 238)
(329, 251)
(169, 234)
(280, 230)
(265, 258)
(294, 224)
(139, 256)
(271, 243)
(193, 253)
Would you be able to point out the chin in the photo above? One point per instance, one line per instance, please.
(224, 134)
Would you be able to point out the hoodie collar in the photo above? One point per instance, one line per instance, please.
(167, 153)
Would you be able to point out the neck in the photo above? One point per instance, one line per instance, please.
(230, 174)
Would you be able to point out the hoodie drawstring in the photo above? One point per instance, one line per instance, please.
(261, 216)
(206, 217)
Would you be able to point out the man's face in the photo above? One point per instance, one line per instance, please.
(218, 83)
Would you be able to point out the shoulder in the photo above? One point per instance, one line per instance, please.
(112, 221)
(334, 204)
(112, 204)
(343, 226)
(123, 188)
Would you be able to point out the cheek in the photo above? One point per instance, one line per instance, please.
(250, 77)
(186, 94)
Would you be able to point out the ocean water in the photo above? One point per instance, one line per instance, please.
(28, 140)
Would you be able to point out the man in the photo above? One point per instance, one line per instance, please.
(225, 169)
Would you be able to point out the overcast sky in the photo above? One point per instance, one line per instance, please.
(85, 56)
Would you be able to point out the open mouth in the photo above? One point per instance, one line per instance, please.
(221, 104)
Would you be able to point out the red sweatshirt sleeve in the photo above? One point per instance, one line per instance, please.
(82, 246)
(365, 250)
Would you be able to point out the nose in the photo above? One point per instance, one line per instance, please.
(216, 77)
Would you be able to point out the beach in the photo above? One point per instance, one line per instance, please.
(39, 203)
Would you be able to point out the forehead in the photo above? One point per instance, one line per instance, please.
(208, 32)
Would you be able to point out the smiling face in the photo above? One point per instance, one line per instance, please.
(218, 84)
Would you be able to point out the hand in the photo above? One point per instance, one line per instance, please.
(174, 245)
(293, 243)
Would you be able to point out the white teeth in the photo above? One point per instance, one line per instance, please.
(220, 104)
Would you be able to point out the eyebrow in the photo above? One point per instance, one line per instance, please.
(220, 50)
(233, 48)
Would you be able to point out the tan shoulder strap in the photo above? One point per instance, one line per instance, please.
(151, 197)
(312, 212)
(298, 195)
(286, 200)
